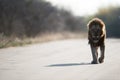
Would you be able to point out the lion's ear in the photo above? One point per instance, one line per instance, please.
(88, 25)
(90, 22)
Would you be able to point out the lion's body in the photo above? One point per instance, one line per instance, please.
(96, 37)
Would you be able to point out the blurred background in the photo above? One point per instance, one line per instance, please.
(32, 21)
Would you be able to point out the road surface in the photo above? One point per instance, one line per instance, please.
(59, 60)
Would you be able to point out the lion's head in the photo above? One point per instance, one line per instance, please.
(96, 29)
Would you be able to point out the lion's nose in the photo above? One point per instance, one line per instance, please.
(97, 38)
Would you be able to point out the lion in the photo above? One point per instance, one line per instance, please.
(96, 37)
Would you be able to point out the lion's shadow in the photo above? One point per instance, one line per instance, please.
(68, 64)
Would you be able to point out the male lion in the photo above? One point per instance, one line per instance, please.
(96, 37)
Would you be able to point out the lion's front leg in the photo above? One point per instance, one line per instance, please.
(94, 54)
(102, 49)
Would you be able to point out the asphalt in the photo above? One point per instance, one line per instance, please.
(59, 60)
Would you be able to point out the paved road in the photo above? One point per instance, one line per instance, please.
(59, 60)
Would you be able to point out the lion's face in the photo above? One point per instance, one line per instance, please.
(95, 33)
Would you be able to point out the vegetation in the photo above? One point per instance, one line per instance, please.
(29, 21)
(23, 20)
(30, 18)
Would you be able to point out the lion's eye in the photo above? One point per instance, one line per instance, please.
(97, 36)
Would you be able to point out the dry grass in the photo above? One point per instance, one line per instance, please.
(14, 41)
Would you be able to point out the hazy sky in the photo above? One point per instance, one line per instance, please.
(84, 7)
